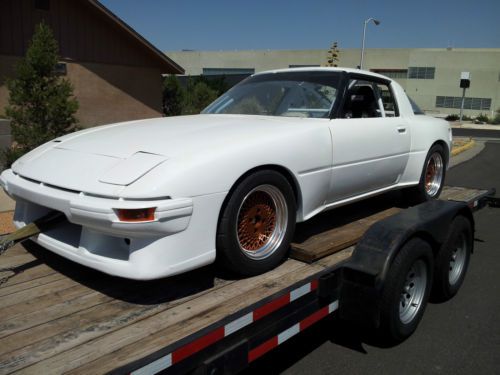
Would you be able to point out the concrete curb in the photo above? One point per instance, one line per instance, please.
(465, 147)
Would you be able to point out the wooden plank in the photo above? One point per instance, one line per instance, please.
(174, 317)
(337, 238)
(49, 289)
(11, 289)
(15, 250)
(28, 314)
(26, 273)
(18, 332)
(16, 260)
(46, 340)
(335, 258)
(460, 193)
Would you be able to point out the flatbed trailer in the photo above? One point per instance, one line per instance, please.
(59, 317)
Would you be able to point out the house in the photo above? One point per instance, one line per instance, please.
(115, 72)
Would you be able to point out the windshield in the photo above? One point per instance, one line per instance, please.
(292, 94)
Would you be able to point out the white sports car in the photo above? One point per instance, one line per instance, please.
(153, 198)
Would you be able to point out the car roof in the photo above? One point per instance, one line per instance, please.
(325, 69)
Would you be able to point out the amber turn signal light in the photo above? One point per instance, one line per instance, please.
(136, 214)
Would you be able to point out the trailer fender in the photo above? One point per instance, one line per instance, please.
(364, 275)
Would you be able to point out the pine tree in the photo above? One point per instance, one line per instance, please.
(41, 103)
(333, 55)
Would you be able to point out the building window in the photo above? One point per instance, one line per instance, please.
(227, 71)
(392, 73)
(42, 4)
(303, 66)
(421, 72)
(469, 103)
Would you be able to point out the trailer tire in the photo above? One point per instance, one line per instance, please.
(452, 260)
(406, 291)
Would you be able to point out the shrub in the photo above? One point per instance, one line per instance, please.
(482, 118)
(198, 96)
(199, 92)
(173, 96)
(452, 117)
(496, 120)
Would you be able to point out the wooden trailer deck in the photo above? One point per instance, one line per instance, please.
(57, 316)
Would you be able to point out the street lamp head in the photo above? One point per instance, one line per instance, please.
(376, 22)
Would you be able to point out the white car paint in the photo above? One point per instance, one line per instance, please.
(185, 166)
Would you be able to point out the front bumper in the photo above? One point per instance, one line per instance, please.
(93, 235)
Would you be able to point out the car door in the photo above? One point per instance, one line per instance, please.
(371, 141)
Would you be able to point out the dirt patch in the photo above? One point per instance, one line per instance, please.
(6, 225)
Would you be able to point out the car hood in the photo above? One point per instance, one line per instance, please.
(170, 136)
(105, 159)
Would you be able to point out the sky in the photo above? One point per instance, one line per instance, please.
(311, 24)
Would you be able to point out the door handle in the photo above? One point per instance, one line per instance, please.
(401, 129)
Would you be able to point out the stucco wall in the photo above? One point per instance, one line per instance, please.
(111, 93)
(106, 93)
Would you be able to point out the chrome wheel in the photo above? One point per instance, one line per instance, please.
(457, 261)
(261, 222)
(413, 292)
(434, 174)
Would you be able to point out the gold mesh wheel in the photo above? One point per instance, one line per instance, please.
(261, 221)
(434, 174)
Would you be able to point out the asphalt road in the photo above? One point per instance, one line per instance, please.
(461, 336)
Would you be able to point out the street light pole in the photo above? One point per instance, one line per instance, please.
(376, 22)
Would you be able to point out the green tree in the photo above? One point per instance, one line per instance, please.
(173, 96)
(333, 55)
(198, 93)
(41, 103)
(198, 96)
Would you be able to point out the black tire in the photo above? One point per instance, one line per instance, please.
(239, 233)
(397, 320)
(420, 193)
(452, 260)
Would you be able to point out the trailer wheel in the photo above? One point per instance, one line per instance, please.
(406, 291)
(452, 260)
(257, 224)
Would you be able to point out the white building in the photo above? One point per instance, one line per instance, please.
(430, 76)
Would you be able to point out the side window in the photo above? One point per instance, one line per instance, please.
(388, 101)
(366, 99)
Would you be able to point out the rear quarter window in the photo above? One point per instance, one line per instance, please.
(415, 107)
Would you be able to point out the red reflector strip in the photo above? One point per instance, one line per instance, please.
(273, 342)
(473, 204)
(218, 334)
(311, 319)
(262, 349)
(268, 308)
(197, 345)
